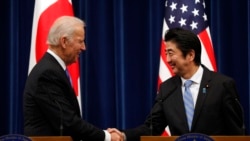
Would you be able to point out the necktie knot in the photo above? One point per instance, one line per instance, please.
(188, 83)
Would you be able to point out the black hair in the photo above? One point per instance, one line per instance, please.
(186, 41)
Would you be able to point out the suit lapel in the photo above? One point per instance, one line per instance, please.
(73, 100)
(181, 107)
(179, 104)
(203, 92)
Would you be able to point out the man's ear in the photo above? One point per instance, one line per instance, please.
(191, 55)
(63, 41)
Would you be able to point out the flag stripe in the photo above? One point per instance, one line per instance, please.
(206, 40)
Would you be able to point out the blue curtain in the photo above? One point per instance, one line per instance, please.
(119, 70)
(122, 57)
(229, 22)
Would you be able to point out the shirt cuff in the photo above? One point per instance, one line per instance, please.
(124, 136)
(107, 136)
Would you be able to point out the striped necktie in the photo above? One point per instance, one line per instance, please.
(189, 103)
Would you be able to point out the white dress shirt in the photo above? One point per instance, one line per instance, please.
(194, 88)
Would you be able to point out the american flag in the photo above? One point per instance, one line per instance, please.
(188, 14)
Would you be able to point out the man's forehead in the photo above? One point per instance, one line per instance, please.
(170, 45)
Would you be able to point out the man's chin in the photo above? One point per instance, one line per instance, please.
(174, 71)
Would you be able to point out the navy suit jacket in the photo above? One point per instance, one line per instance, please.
(50, 104)
(217, 110)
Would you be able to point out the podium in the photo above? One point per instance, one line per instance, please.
(51, 138)
(216, 138)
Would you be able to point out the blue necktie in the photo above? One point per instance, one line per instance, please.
(68, 75)
(189, 103)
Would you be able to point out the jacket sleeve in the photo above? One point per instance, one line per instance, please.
(56, 100)
(154, 124)
(233, 111)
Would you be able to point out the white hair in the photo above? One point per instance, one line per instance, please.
(63, 26)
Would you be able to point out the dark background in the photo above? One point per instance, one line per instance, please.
(119, 69)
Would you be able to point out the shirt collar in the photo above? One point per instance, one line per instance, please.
(196, 78)
(58, 59)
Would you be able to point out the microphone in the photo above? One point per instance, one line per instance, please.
(159, 102)
(61, 117)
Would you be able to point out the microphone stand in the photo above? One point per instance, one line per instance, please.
(61, 118)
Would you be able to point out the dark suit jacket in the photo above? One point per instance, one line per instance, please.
(217, 110)
(50, 101)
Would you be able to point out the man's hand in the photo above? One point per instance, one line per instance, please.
(116, 135)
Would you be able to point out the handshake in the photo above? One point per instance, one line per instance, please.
(116, 135)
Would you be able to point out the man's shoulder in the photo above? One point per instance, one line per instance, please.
(174, 80)
(218, 75)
